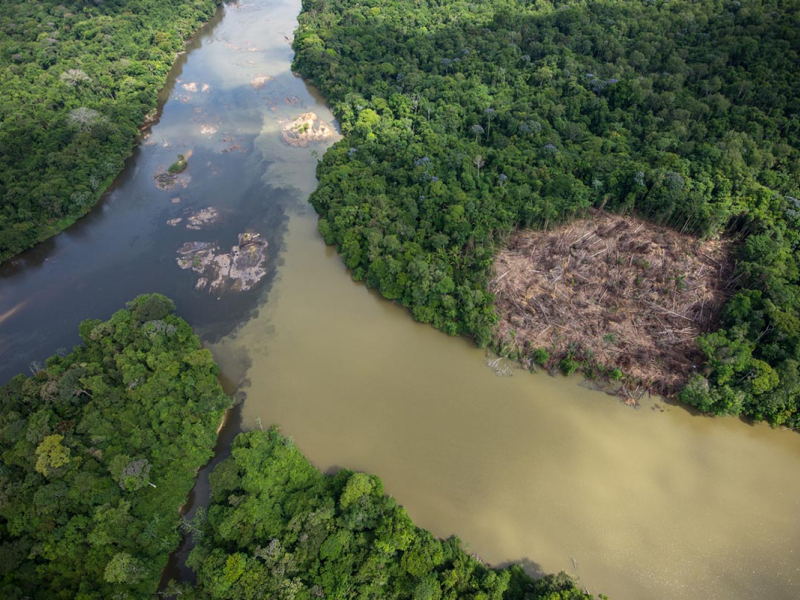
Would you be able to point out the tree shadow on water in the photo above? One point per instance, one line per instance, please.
(531, 568)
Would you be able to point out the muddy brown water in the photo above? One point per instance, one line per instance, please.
(653, 503)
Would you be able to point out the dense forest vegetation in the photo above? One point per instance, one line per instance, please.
(98, 451)
(278, 528)
(464, 120)
(78, 78)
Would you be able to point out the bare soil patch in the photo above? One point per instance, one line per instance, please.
(612, 291)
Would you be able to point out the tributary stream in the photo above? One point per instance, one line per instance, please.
(653, 503)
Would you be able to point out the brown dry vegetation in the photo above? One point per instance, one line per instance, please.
(615, 292)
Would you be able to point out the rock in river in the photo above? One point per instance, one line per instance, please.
(203, 218)
(305, 129)
(165, 180)
(238, 270)
(259, 81)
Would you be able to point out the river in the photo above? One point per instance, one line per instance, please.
(653, 503)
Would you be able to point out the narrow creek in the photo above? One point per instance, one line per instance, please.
(654, 503)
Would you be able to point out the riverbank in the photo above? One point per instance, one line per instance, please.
(657, 503)
(126, 245)
(354, 541)
(445, 156)
(198, 498)
(86, 148)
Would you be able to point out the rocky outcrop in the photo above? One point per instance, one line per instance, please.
(259, 81)
(165, 180)
(236, 271)
(203, 218)
(306, 129)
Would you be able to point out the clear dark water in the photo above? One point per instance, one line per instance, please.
(125, 247)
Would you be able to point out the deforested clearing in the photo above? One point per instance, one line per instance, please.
(614, 292)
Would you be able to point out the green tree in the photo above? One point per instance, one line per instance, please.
(51, 455)
(123, 568)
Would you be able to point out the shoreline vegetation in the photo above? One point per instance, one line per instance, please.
(80, 81)
(464, 123)
(277, 527)
(180, 165)
(99, 450)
